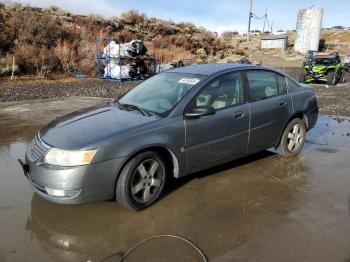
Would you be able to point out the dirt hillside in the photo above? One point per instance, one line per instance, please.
(50, 41)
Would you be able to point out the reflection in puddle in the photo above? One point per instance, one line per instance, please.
(218, 209)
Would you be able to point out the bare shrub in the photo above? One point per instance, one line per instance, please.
(125, 36)
(133, 17)
(46, 63)
(25, 56)
(166, 55)
(41, 62)
(85, 56)
(65, 52)
(229, 34)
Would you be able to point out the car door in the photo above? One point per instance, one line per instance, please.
(223, 134)
(270, 108)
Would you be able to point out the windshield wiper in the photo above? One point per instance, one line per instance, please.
(134, 107)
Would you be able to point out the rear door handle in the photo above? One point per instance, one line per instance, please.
(239, 114)
(282, 102)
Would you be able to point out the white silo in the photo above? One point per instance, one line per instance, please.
(308, 29)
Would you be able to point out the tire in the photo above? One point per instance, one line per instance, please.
(143, 173)
(331, 78)
(292, 140)
(342, 78)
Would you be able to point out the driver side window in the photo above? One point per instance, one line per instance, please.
(224, 92)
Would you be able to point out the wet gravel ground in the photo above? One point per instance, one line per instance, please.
(332, 100)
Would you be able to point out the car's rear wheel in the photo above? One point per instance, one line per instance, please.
(331, 78)
(141, 181)
(293, 138)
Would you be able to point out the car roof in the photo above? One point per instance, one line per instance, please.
(209, 69)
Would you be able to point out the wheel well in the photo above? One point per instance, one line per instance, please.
(169, 158)
(302, 117)
(165, 153)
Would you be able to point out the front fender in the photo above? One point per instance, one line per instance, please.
(169, 135)
(178, 158)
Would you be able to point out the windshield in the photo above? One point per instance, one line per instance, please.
(161, 93)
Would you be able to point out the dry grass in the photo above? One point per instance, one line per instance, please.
(336, 36)
(49, 41)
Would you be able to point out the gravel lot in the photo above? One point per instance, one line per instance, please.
(332, 100)
(20, 90)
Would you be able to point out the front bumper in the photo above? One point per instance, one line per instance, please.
(315, 76)
(73, 185)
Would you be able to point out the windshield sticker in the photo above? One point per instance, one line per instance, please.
(189, 81)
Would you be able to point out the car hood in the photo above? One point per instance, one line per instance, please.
(85, 127)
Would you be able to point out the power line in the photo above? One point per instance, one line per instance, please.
(256, 17)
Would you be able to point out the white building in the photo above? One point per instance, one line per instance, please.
(274, 42)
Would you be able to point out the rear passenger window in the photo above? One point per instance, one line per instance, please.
(262, 84)
(282, 84)
(291, 84)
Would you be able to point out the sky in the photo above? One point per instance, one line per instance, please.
(219, 15)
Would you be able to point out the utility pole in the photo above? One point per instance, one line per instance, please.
(265, 17)
(271, 27)
(250, 18)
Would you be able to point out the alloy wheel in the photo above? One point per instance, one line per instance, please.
(147, 180)
(295, 138)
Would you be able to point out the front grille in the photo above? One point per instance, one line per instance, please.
(36, 149)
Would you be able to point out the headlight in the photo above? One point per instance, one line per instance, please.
(59, 157)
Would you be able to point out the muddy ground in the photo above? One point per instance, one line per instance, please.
(261, 208)
(332, 100)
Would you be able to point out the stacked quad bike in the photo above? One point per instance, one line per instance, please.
(323, 67)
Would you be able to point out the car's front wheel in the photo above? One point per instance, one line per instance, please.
(141, 181)
(293, 138)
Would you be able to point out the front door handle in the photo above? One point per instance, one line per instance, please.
(239, 114)
(282, 102)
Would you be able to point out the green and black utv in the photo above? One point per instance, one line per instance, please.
(322, 67)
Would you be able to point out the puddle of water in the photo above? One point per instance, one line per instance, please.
(331, 131)
(240, 211)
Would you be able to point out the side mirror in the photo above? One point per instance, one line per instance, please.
(200, 111)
